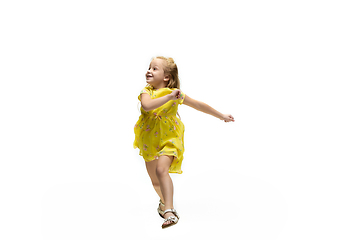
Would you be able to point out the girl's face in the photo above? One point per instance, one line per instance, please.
(155, 75)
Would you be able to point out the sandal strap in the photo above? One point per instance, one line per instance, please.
(172, 211)
(161, 203)
(169, 210)
(160, 211)
(172, 219)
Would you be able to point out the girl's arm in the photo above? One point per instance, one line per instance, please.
(149, 104)
(203, 107)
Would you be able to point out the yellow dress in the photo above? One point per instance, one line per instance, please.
(160, 132)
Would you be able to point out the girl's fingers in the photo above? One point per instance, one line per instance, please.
(230, 119)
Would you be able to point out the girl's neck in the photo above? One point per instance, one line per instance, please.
(158, 88)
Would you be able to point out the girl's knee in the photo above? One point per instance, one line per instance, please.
(161, 171)
(163, 165)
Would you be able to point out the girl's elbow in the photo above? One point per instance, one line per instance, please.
(201, 106)
(146, 109)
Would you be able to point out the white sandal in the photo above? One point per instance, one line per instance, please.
(161, 212)
(173, 219)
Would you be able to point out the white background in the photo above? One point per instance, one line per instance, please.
(287, 168)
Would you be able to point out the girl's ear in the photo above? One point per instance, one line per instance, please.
(166, 78)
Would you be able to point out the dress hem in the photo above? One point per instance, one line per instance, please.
(163, 154)
(175, 157)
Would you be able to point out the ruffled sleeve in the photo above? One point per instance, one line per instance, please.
(144, 90)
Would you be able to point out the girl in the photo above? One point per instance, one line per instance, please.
(159, 133)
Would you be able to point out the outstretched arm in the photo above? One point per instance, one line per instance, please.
(203, 107)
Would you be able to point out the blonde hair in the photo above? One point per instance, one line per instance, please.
(170, 68)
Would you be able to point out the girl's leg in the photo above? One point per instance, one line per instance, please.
(151, 169)
(166, 185)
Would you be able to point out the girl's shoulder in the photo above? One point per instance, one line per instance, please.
(148, 90)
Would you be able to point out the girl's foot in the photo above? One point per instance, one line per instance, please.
(171, 218)
(168, 214)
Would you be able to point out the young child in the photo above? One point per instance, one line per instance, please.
(159, 133)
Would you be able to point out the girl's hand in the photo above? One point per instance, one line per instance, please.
(228, 118)
(175, 95)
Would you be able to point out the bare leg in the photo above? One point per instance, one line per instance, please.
(151, 169)
(166, 184)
